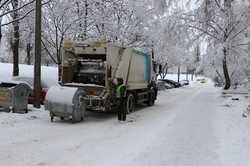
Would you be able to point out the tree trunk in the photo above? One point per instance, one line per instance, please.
(60, 72)
(79, 34)
(179, 73)
(15, 44)
(1, 35)
(15, 50)
(28, 50)
(85, 19)
(225, 70)
(166, 71)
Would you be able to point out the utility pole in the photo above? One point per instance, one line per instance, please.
(37, 66)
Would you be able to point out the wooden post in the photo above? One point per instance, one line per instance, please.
(37, 64)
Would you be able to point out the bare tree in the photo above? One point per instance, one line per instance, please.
(16, 35)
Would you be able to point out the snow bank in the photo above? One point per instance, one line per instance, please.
(49, 74)
(174, 77)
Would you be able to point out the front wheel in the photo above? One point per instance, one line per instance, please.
(151, 98)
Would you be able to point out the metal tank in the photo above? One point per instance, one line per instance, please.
(14, 96)
(65, 102)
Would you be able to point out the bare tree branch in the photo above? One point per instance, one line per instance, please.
(25, 15)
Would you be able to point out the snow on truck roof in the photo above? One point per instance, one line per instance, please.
(95, 43)
(87, 43)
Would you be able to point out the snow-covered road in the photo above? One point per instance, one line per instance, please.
(188, 126)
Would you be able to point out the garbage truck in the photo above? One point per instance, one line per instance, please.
(96, 67)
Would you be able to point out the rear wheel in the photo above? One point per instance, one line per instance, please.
(51, 117)
(130, 103)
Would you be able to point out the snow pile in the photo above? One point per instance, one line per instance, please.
(174, 77)
(49, 74)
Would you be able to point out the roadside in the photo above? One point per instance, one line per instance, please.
(189, 125)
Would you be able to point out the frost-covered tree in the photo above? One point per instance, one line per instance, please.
(169, 36)
(223, 24)
(13, 12)
(62, 20)
(171, 45)
(113, 21)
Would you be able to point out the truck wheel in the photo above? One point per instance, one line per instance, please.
(51, 117)
(76, 116)
(151, 98)
(130, 103)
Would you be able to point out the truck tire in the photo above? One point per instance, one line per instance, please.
(51, 117)
(76, 116)
(129, 103)
(151, 98)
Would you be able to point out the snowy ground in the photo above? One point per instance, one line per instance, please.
(192, 126)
